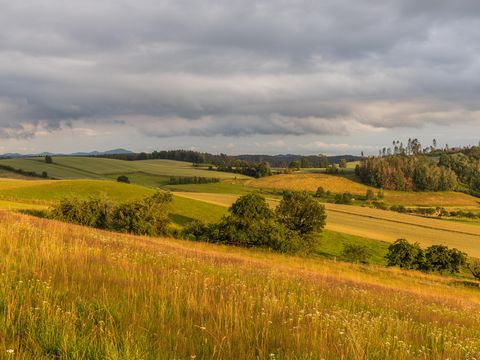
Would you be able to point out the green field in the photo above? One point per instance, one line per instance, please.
(152, 173)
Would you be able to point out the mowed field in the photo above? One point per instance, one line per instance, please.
(341, 184)
(151, 173)
(72, 292)
(381, 225)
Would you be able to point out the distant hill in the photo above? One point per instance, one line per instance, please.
(119, 151)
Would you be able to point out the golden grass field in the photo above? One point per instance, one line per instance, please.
(341, 184)
(79, 293)
(381, 225)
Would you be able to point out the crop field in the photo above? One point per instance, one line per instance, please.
(151, 173)
(382, 225)
(341, 184)
(72, 292)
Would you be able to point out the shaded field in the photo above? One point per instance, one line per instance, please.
(341, 184)
(72, 292)
(40, 194)
(382, 225)
(151, 173)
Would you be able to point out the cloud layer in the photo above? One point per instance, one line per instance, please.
(215, 67)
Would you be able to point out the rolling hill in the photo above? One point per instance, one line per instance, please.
(151, 173)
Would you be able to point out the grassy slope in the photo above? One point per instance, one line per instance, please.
(72, 292)
(382, 225)
(339, 184)
(38, 195)
(148, 172)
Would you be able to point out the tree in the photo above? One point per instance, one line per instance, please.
(405, 255)
(440, 258)
(320, 192)
(474, 267)
(356, 253)
(48, 159)
(294, 165)
(44, 174)
(343, 164)
(304, 162)
(123, 179)
(300, 212)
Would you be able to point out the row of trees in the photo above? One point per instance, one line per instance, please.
(466, 167)
(292, 227)
(406, 173)
(250, 169)
(178, 180)
(434, 258)
(148, 216)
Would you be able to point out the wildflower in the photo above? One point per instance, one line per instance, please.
(10, 351)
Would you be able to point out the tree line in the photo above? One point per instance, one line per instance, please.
(406, 173)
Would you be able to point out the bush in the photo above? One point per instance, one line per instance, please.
(44, 174)
(123, 179)
(380, 205)
(320, 192)
(440, 258)
(474, 267)
(405, 255)
(48, 159)
(399, 208)
(90, 212)
(369, 195)
(143, 217)
(345, 199)
(356, 253)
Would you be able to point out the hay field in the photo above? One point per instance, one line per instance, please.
(341, 184)
(71, 292)
(382, 225)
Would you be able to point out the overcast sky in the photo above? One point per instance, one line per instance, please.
(275, 76)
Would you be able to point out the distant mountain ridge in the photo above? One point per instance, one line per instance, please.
(119, 151)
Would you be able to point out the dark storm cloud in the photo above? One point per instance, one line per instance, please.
(204, 68)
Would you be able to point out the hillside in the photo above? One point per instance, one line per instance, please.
(151, 173)
(380, 224)
(72, 292)
(340, 184)
(40, 194)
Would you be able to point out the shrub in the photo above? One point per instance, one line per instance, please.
(356, 253)
(345, 199)
(48, 159)
(192, 180)
(44, 174)
(123, 179)
(405, 255)
(474, 267)
(90, 212)
(398, 208)
(380, 205)
(320, 192)
(145, 217)
(440, 258)
(369, 195)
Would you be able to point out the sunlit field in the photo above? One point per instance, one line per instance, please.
(381, 224)
(72, 292)
(341, 184)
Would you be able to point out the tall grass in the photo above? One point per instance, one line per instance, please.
(73, 292)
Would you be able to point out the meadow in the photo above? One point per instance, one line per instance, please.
(71, 292)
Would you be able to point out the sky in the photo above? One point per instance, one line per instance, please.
(274, 76)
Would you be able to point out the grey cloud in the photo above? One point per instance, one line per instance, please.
(215, 67)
